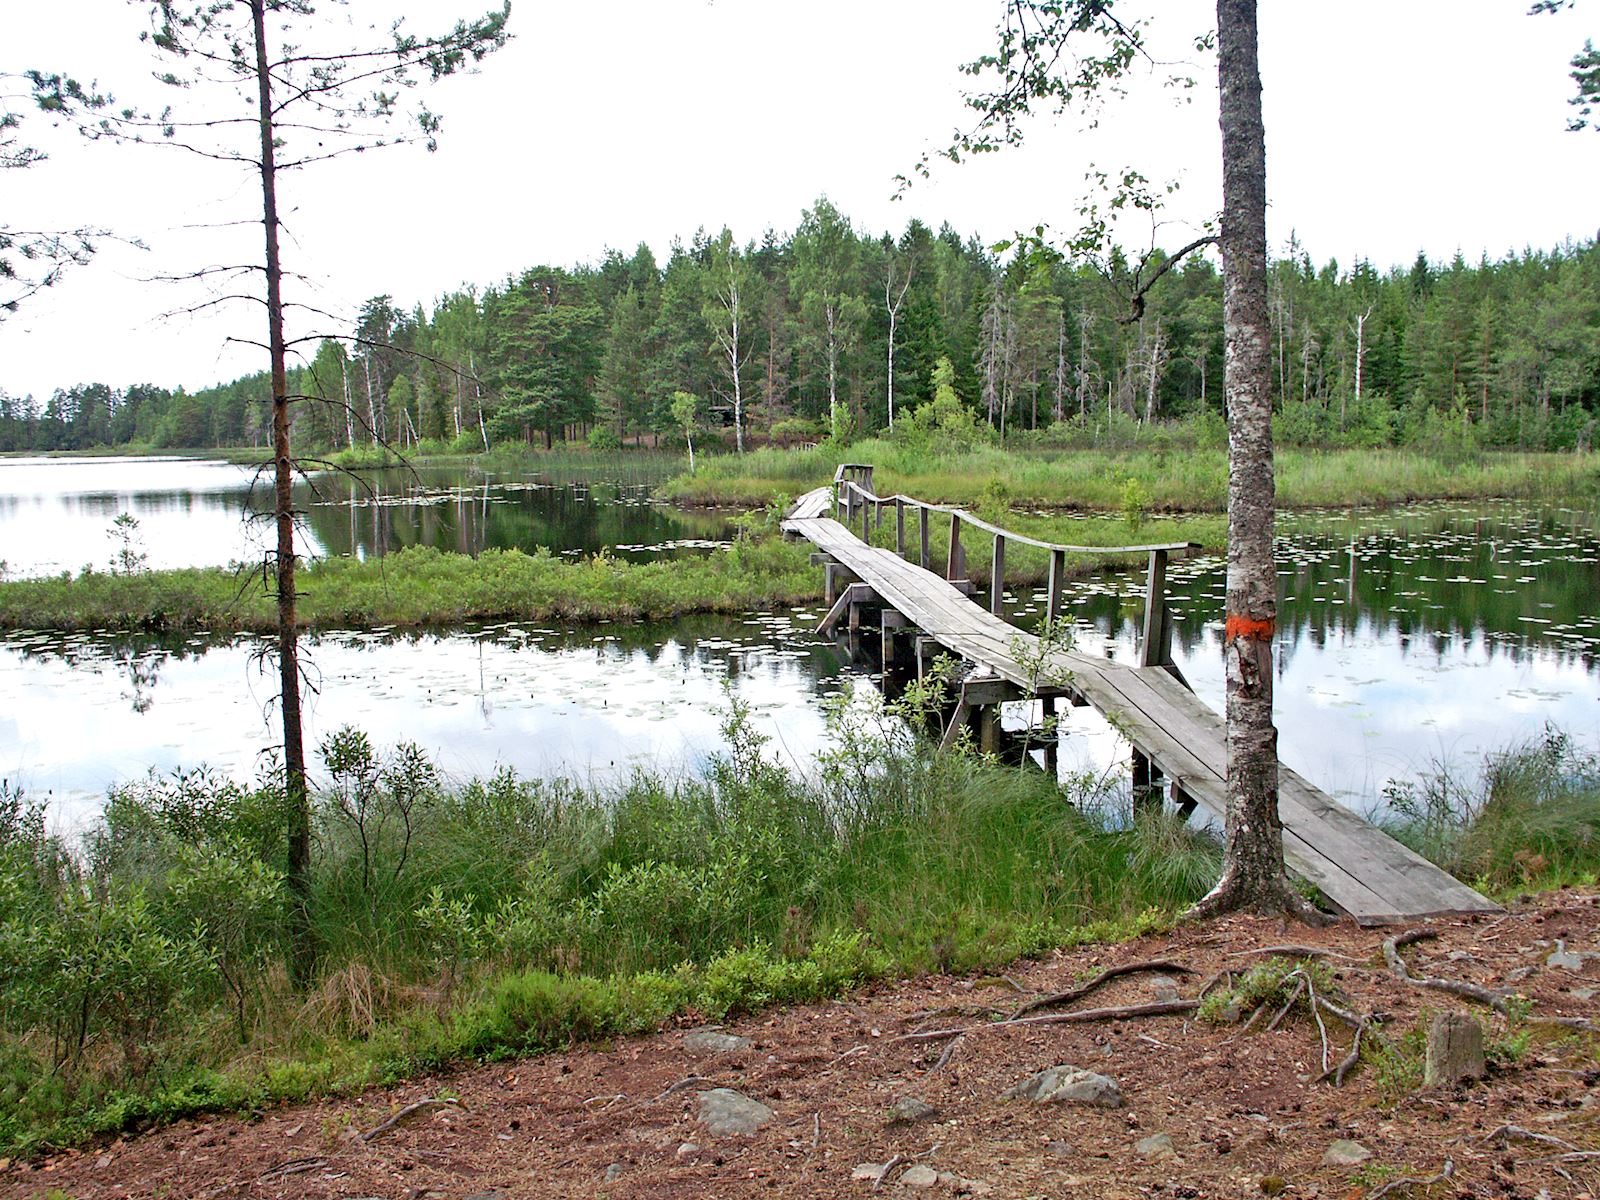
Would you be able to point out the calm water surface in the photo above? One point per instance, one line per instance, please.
(56, 513)
(1431, 634)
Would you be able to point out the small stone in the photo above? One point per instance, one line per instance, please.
(1566, 960)
(1163, 989)
(1460, 956)
(1272, 1185)
(1518, 975)
(920, 1176)
(1157, 1145)
(724, 1111)
(1067, 1083)
(1455, 1050)
(974, 1187)
(908, 1109)
(1345, 1153)
(1060, 1150)
(688, 1150)
(614, 1172)
(1585, 993)
(867, 1172)
(713, 1041)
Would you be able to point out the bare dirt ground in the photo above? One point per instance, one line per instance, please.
(1243, 1109)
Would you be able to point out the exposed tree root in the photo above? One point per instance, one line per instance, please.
(1234, 895)
(1397, 967)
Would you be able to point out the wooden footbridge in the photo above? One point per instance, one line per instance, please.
(1179, 747)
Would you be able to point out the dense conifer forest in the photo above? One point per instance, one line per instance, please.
(829, 329)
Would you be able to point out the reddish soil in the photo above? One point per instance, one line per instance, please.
(1243, 1109)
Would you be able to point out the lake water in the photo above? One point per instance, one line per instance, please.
(56, 514)
(1436, 633)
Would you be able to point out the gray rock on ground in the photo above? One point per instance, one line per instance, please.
(1566, 960)
(1067, 1084)
(724, 1111)
(1157, 1145)
(1162, 989)
(920, 1176)
(908, 1109)
(1455, 1050)
(1345, 1153)
(713, 1041)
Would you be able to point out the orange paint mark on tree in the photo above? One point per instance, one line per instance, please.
(1249, 628)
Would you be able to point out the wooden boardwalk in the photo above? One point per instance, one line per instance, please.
(1361, 870)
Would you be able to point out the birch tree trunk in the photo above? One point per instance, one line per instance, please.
(832, 316)
(1253, 875)
(1361, 350)
(891, 305)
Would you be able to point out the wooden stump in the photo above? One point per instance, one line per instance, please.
(1455, 1050)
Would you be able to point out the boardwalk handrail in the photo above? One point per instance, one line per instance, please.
(853, 492)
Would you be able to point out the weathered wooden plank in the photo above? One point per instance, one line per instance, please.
(1358, 867)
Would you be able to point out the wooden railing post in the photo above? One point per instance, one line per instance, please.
(927, 558)
(953, 564)
(899, 527)
(997, 576)
(866, 513)
(1053, 586)
(1155, 650)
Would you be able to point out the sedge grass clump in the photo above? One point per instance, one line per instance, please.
(1531, 818)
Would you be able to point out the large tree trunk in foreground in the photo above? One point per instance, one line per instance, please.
(1253, 875)
(301, 951)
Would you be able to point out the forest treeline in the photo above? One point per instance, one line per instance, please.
(831, 330)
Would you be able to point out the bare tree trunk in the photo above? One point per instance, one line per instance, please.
(1061, 362)
(372, 405)
(734, 351)
(1253, 874)
(1155, 361)
(302, 952)
(1085, 319)
(892, 305)
(1361, 348)
(832, 316)
(349, 412)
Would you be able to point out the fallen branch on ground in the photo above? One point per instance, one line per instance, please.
(883, 1172)
(1448, 1170)
(294, 1166)
(1105, 976)
(687, 1082)
(1160, 1008)
(945, 1057)
(1292, 951)
(1507, 1132)
(406, 1113)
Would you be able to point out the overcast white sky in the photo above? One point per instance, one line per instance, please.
(1392, 126)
